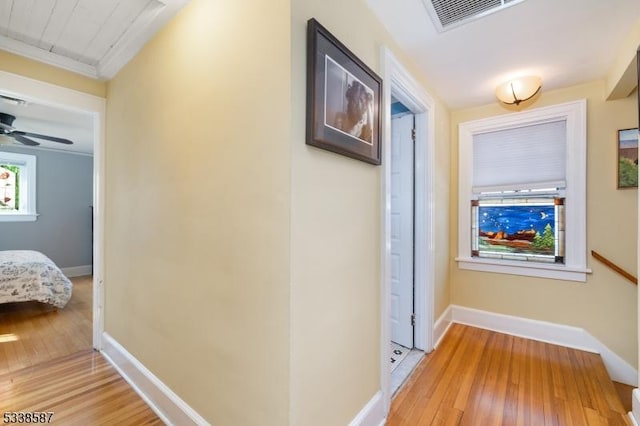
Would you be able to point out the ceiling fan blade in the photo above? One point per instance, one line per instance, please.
(45, 137)
(6, 127)
(23, 140)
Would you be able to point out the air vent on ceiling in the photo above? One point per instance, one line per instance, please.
(447, 14)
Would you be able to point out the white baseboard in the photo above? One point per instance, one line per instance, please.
(166, 404)
(77, 271)
(619, 370)
(634, 415)
(372, 414)
(441, 326)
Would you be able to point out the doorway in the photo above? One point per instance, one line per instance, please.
(403, 88)
(404, 356)
(53, 96)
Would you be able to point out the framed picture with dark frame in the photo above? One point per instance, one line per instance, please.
(627, 158)
(343, 98)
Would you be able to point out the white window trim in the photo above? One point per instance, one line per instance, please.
(575, 267)
(27, 187)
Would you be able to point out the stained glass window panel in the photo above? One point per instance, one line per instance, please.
(529, 229)
(9, 188)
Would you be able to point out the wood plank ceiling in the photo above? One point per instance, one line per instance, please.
(95, 38)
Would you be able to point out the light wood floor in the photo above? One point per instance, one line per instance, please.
(32, 333)
(478, 377)
(47, 364)
(475, 377)
(79, 389)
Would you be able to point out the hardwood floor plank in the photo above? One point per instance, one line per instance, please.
(444, 388)
(472, 357)
(32, 333)
(47, 364)
(424, 373)
(625, 393)
(479, 377)
(81, 388)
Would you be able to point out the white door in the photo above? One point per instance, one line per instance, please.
(402, 176)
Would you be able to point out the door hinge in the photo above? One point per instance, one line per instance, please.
(413, 320)
(413, 134)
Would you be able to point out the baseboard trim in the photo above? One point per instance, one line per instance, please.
(77, 271)
(634, 415)
(162, 400)
(441, 326)
(573, 337)
(371, 414)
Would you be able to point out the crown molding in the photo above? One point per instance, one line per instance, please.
(133, 40)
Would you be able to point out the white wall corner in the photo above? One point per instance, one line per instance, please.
(441, 326)
(371, 414)
(162, 400)
(634, 415)
(573, 337)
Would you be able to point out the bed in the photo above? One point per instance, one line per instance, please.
(27, 275)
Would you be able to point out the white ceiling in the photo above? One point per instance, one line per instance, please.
(89, 37)
(565, 42)
(94, 38)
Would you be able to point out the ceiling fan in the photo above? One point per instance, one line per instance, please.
(7, 131)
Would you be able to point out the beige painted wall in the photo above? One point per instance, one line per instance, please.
(198, 200)
(336, 239)
(606, 305)
(39, 71)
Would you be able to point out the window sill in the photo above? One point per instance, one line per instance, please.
(528, 269)
(24, 217)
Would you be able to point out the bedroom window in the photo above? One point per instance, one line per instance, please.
(522, 178)
(17, 187)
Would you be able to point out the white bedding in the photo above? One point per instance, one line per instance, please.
(30, 275)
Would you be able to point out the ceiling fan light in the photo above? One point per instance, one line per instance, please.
(519, 90)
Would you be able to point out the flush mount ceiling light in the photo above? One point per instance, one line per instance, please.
(519, 90)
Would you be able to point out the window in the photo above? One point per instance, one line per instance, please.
(17, 187)
(522, 186)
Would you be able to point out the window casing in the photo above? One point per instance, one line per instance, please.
(548, 179)
(17, 187)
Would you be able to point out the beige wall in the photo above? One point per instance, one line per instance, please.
(198, 199)
(444, 190)
(43, 72)
(336, 240)
(606, 305)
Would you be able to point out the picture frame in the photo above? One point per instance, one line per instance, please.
(627, 143)
(343, 98)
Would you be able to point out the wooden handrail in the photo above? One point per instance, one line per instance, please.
(615, 267)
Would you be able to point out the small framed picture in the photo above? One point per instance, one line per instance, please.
(628, 158)
(343, 98)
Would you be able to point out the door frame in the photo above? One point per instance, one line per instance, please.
(400, 83)
(62, 97)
